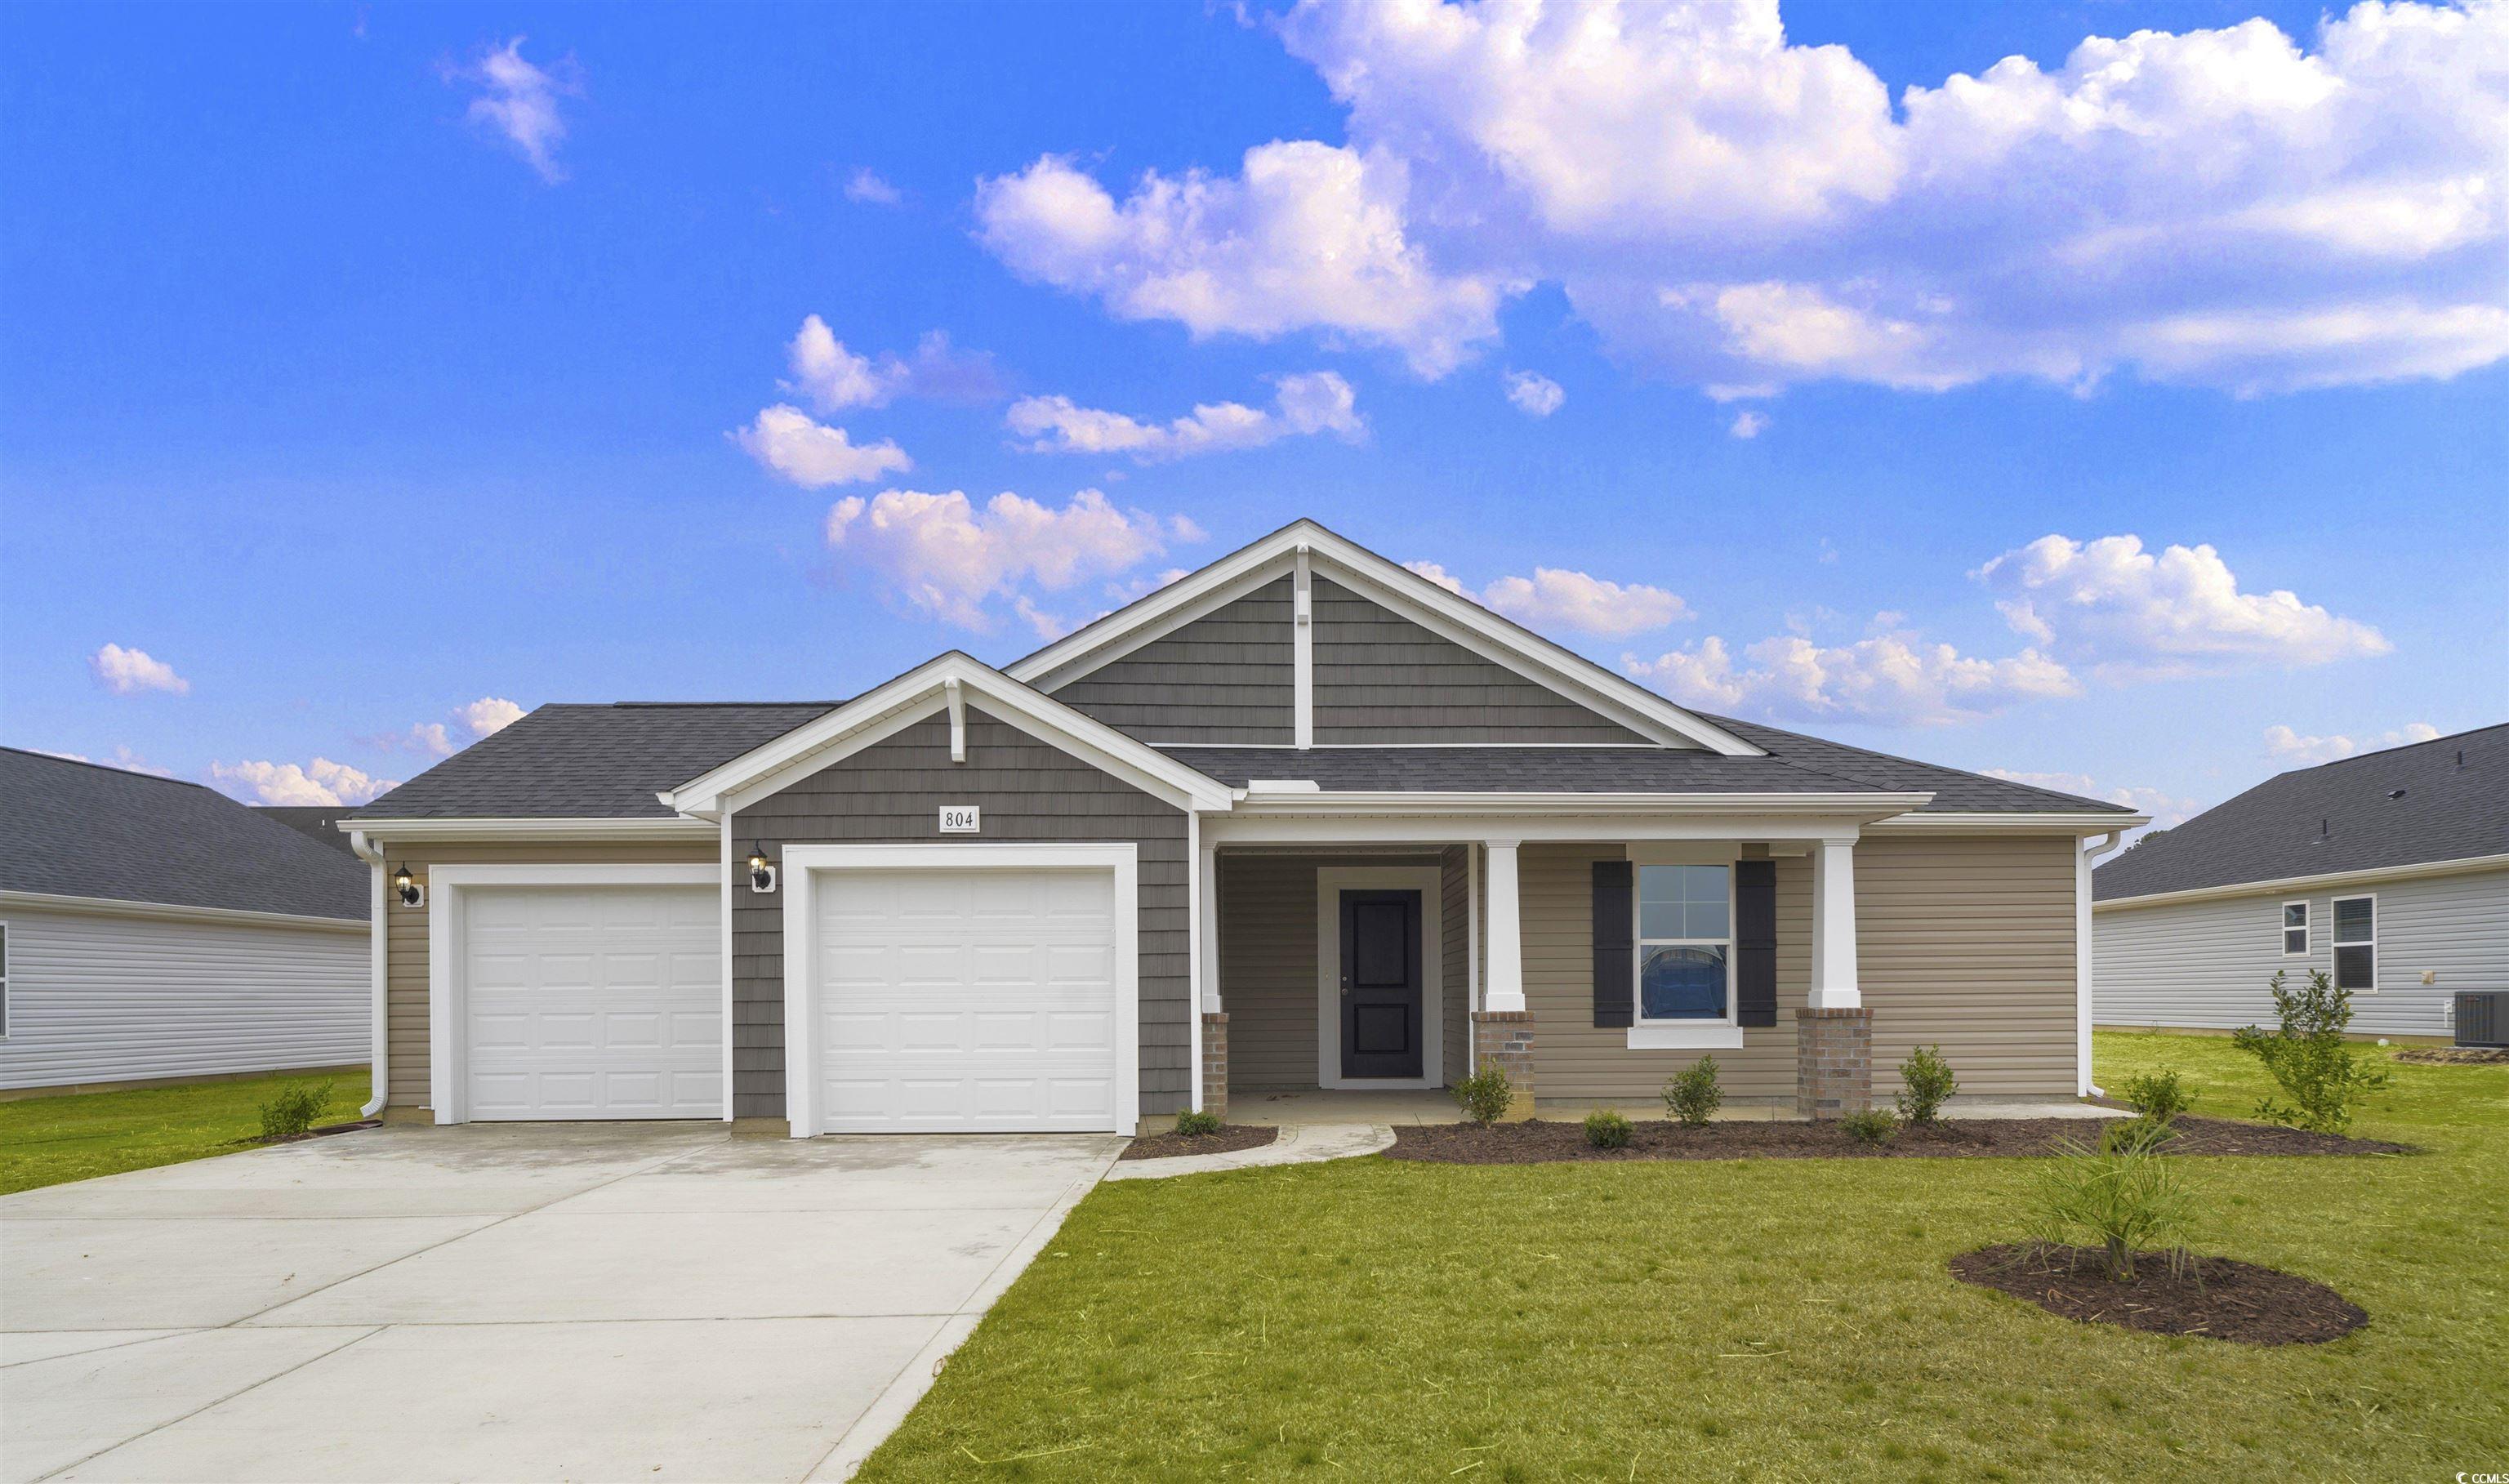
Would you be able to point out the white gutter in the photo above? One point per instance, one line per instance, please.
(2084, 859)
(1296, 796)
(167, 911)
(377, 968)
(538, 830)
(2365, 876)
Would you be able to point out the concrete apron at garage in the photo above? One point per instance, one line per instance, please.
(654, 1300)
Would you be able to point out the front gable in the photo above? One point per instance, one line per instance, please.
(1380, 678)
(1225, 676)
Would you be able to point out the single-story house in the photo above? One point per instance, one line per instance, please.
(153, 930)
(1300, 819)
(2388, 870)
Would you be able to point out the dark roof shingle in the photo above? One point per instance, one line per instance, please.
(79, 829)
(567, 762)
(2404, 806)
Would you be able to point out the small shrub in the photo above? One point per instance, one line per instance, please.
(2309, 1057)
(1485, 1096)
(2158, 1097)
(1870, 1126)
(1927, 1083)
(2121, 1197)
(1607, 1130)
(1693, 1096)
(1194, 1125)
(294, 1109)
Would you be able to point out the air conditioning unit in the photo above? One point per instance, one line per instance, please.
(2483, 1020)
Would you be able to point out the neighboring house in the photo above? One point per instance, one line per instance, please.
(319, 822)
(2388, 870)
(152, 930)
(1299, 819)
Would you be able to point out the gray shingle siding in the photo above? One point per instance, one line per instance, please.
(1381, 677)
(892, 792)
(1225, 676)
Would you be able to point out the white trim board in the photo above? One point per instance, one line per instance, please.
(1430, 883)
(448, 995)
(2331, 880)
(804, 863)
(537, 829)
(167, 911)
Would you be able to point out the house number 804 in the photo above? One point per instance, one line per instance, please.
(960, 819)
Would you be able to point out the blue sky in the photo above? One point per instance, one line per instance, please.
(363, 365)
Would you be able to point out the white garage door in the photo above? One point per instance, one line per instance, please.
(593, 1002)
(967, 1001)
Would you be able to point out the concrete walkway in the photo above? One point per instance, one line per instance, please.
(1298, 1144)
(649, 1301)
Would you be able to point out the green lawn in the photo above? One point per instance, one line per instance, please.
(47, 1140)
(1782, 1318)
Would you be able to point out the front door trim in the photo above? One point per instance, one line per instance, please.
(1330, 882)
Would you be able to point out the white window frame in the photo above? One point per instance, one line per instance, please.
(2307, 930)
(2336, 942)
(1684, 1034)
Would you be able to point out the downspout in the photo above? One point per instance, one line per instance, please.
(2082, 965)
(377, 931)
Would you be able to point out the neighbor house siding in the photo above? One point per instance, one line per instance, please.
(1225, 676)
(405, 958)
(1381, 677)
(892, 792)
(2206, 965)
(1965, 942)
(1269, 968)
(112, 998)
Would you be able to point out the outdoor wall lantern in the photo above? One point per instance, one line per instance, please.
(406, 886)
(761, 872)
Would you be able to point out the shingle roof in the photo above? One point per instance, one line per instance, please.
(590, 762)
(1955, 792)
(78, 829)
(2404, 806)
(319, 823)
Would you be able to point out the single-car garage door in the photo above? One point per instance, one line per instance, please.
(967, 1001)
(593, 1002)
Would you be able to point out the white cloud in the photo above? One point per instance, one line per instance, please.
(122, 758)
(866, 187)
(1748, 424)
(947, 559)
(319, 782)
(1315, 402)
(813, 455)
(1534, 395)
(831, 378)
(127, 672)
(2286, 746)
(2167, 810)
(2225, 207)
(1557, 598)
(1892, 679)
(1307, 236)
(488, 715)
(519, 101)
(2134, 614)
(481, 717)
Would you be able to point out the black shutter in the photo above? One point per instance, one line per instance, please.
(1615, 966)
(1755, 943)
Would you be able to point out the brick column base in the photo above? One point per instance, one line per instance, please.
(1833, 1061)
(1215, 1063)
(1504, 1039)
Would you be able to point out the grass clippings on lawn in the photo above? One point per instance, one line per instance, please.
(80, 1136)
(2218, 1298)
(1537, 1142)
(1231, 1138)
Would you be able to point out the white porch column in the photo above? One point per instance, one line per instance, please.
(1206, 917)
(1503, 989)
(1833, 925)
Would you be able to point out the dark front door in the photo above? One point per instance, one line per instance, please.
(1380, 983)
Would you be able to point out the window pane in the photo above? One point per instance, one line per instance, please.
(2296, 942)
(2353, 919)
(1681, 984)
(2354, 969)
(2294, 914)
(1682, 901)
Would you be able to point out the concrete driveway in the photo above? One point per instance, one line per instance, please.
(648, 1301)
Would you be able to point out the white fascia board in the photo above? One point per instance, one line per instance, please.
(920, 692)
(2053, 821)
(1526, 827)
(382, 833)
(2333, 878)
(1467, 624)
(167, 911)
(1860, 807)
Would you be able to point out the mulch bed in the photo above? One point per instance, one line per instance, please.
(2456, 1055)
(2220, 1298)
(1537, 1142)
(1231, 1138)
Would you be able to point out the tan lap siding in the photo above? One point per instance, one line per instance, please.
(406, 927)
(1268, 969)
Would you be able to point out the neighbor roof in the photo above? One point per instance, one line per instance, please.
(566, 761)
(2446, 800)
(79, 829)
(319, 823)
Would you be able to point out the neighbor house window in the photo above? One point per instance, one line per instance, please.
(1685, 943)
(2295, 930)
(2356, 944)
